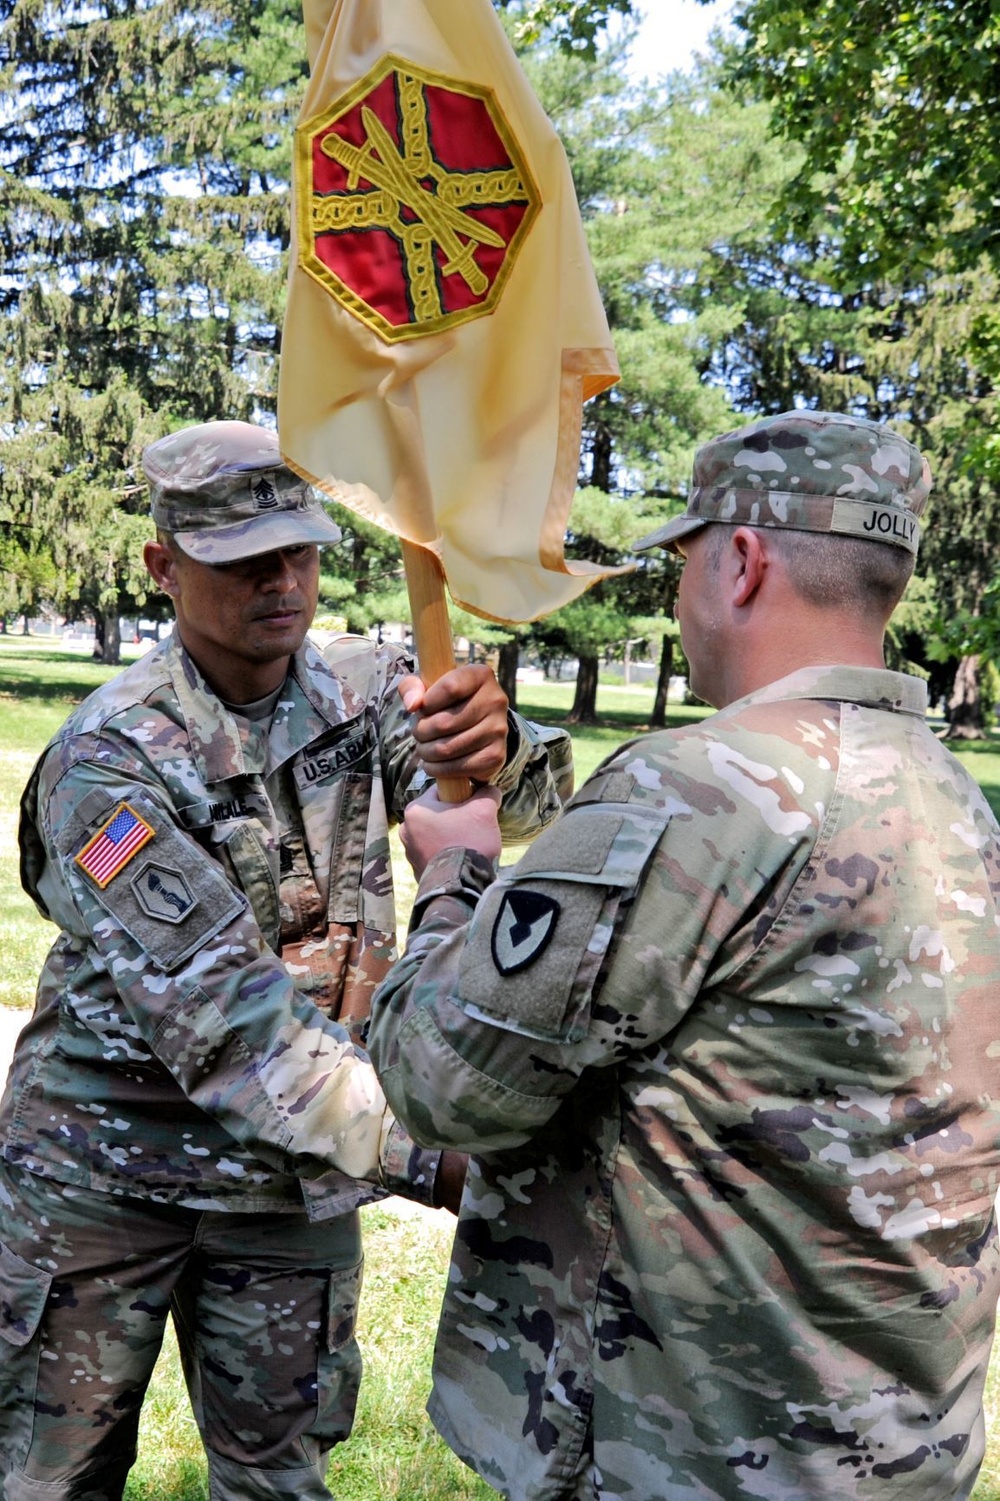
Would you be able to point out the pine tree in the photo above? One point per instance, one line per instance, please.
(145, 152)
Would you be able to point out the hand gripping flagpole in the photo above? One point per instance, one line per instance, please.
(425, 578)
(432, 637)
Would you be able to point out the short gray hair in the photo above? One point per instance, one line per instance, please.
(832, 571)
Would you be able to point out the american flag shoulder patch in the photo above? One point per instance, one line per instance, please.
(113, 846)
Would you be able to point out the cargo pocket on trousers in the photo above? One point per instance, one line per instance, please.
(339, 1356)
(24, 1291)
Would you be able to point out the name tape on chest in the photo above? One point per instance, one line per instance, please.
(327, 762)
(117, 842)
(241, 806)
(232, 808)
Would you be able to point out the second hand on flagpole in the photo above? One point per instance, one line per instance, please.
(432, 637)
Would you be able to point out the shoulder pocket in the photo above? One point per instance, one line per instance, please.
(126, 852)
(541, 934)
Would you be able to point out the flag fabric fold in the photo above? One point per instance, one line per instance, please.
(443, 325)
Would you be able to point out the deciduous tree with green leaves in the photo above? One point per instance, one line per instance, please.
(892, 111)
(895, 107)
(576, 25)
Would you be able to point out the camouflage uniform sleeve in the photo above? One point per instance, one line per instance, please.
(491, 1015)
(190, 967)
(536, 779)
(589, 951)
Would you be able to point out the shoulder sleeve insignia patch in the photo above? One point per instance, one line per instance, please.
(113, 846)
(524, 928)
(163, 893)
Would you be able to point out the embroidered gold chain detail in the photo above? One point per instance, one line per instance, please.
(402, 187)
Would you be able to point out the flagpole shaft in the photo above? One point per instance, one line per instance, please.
(432, 637)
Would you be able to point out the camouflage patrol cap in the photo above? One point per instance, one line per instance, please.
(224, 492)
(811, 472)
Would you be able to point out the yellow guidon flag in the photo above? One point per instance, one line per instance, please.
(443, 326)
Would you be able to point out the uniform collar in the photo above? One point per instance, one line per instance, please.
(312, 701)
(875, 687)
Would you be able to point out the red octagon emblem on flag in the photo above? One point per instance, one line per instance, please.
(413, 200)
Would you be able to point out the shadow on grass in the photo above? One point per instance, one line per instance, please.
(50, 677)
(623, 723)
(183, 1480)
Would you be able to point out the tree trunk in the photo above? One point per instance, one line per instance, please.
(584, 710)
(658, 718)
(510, 651)
(108, 644)
(965, 706)
(602, 457)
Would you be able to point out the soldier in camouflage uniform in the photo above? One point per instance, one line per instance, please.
(724, 1044)
(190, 1124)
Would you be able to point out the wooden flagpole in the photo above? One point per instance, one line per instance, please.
(432, 637)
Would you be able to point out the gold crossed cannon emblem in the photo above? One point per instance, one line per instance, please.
(424, 204)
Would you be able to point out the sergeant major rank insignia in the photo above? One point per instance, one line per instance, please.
(414, 200)
(264, 492)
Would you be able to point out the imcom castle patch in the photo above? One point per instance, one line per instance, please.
(414, 200)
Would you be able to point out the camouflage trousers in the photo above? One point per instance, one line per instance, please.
(264, 1308)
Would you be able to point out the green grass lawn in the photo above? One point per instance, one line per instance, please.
(394, 1453)
(38, 688)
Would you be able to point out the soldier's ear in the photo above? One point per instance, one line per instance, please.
(750, 562)
(162, 566)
